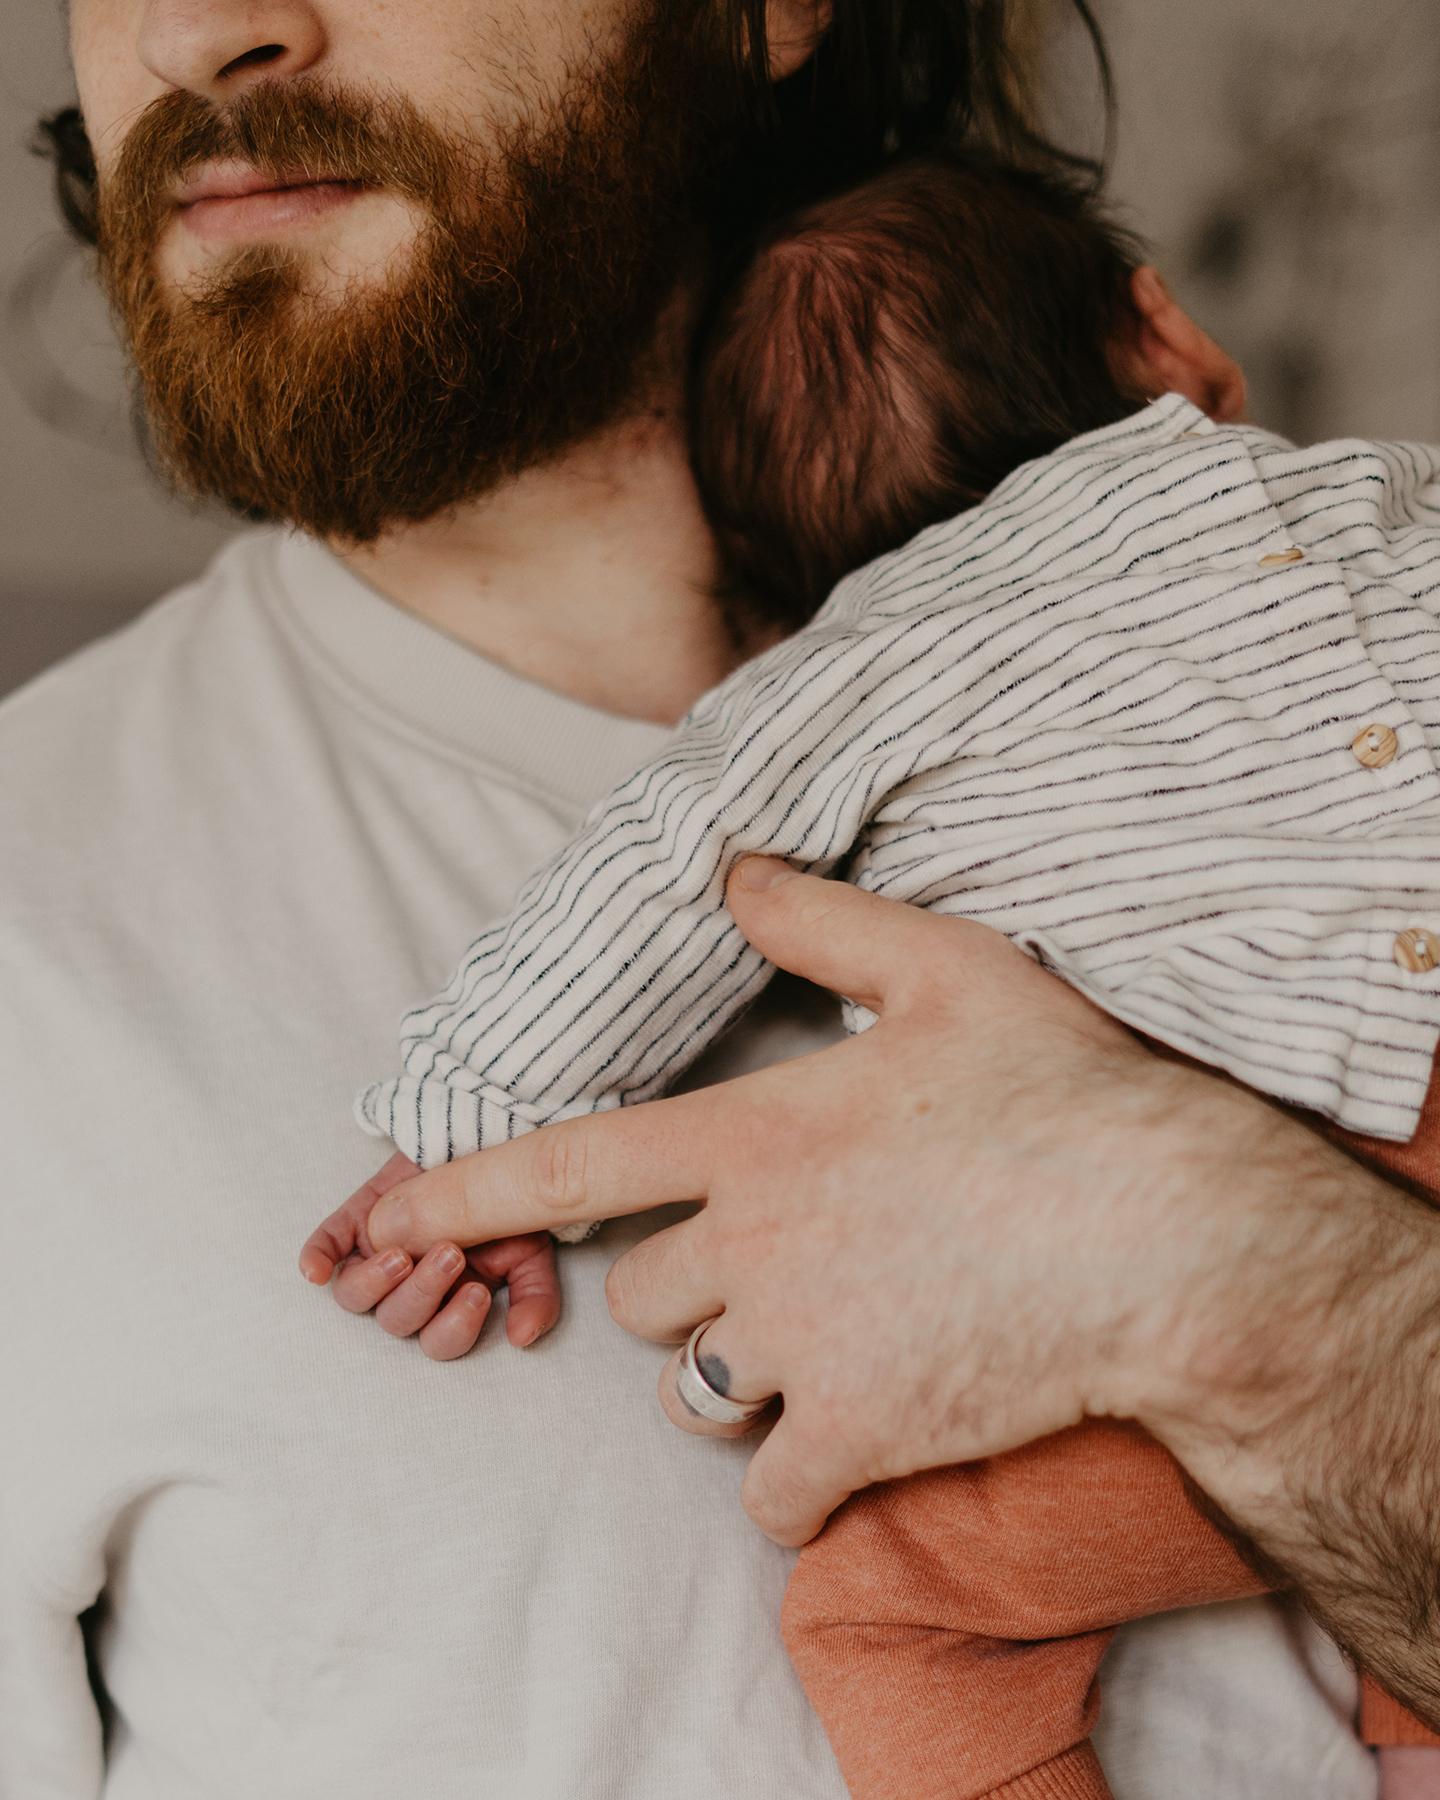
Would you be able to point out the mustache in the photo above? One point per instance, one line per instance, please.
(528, 312)
(305, 127)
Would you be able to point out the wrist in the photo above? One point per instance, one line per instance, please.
(1288, 1355)
(1330, 1464)
(1192, 1148)
(1312, 1283)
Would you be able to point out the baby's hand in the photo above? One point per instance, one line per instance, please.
(447, 1295)
(1409, 1772)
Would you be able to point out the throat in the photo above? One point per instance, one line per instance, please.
(595, 576)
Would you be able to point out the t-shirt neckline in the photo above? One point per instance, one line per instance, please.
(431, 684)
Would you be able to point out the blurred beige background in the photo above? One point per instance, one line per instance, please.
(1282, 158)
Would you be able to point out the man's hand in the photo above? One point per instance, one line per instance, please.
(995, 1212)
(910, 1235)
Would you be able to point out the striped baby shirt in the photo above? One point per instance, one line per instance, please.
(1164, 709)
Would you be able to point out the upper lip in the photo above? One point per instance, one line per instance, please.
(232, 180)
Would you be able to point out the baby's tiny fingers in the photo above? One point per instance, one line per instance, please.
(344, 1231)
(416, 1301)
(363, 1282)
(526, 1263)
(534, 1296)
(319, 1257)
(327, 1246)
(458, 1324)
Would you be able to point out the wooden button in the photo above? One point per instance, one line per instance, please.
(1276, 557)
(1376, 746)
(1417, 950)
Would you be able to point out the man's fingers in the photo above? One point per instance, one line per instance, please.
(661, 1289)
(730, 1369)
(793, 1483)
(624, 1161)
(678, 1412)
(857, 944)
(883, 953)
(398, 1169)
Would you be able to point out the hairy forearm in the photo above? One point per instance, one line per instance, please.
(1356, 1518)
(1306, 1398)
(1345, 1495)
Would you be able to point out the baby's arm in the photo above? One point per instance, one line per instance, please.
(620, 962)
(447, 1296)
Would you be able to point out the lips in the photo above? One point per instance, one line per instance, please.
(235, 203)
(234, 181)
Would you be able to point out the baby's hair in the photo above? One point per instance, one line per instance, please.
(888, 355)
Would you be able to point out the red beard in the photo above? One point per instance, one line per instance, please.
(517, 328)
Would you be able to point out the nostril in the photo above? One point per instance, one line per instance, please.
(263, 53)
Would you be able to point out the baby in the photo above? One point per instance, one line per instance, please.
(1156, 696)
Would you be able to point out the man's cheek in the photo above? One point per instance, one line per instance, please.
(111, 81)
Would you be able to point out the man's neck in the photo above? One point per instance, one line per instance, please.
(593, 575)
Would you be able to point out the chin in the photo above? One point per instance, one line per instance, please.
(371, 243)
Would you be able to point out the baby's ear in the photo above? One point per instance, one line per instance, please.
(793, 30)
(1163, 351)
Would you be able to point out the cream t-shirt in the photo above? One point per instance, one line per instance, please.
(234, 840)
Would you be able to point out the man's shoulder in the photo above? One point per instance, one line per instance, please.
(83, 712)
(103, 752)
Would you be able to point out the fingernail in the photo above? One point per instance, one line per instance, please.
(449, 1260)
(760, 872)
(394, 1262)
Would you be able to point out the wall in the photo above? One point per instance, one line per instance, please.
(85, 535)
(1284, 160)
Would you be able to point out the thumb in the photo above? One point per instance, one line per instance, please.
(860, 945)
(792, 1485)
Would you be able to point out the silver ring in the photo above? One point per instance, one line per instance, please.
(705, 1400)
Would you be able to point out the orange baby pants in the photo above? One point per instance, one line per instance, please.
(948, 1628)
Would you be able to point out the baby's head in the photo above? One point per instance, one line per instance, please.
(889, 355)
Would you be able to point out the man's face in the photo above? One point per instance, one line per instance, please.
(373, 258)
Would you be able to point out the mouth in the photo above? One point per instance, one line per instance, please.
(235, 202)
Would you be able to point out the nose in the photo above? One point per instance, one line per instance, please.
(218, 48)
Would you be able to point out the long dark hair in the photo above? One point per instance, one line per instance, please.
(890, 76)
